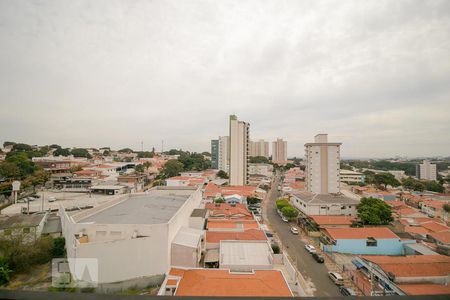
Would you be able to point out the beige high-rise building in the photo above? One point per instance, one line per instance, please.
(238, 151)
(259, 148)
(279, 151)
(426, 171)
(223, 153)
(322, 166)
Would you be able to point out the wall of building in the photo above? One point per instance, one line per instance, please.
(359, 246)
(238, 151)
(183, 256)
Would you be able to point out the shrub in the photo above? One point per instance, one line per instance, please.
(289, 212)
(280, 203)
(275, 248)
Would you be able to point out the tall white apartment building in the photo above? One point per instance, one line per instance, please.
(238, 151)
(426, 171)
(223, 153)
(322, 166)
(279, 151)
(259, 148)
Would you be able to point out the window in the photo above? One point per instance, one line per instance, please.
(371, 242)
(26, 230)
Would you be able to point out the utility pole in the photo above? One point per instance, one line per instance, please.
(142, 146)
(162, 146)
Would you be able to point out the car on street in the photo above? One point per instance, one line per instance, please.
(294, 230)
(345, 291)
(310, 248)
(269, 234)
(319, 258)
(285, 219)
(336, 278)
(51, 199)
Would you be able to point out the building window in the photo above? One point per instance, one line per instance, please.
(371, 242)
(26, 230)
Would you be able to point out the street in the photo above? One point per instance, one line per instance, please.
(314, 273)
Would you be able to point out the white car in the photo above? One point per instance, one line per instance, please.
(294, 230)
(310, 248)
(51, 199)
(336, 278)
(284, 219)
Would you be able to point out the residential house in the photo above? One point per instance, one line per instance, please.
(402, 275)
(323, 204)
(187, 248)
(368, 240)
(225, 283)
(28, 227)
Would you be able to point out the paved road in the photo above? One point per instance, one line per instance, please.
(307, 266)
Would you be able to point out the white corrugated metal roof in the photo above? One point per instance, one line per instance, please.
(188, 237)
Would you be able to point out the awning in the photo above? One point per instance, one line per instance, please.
(212, 256)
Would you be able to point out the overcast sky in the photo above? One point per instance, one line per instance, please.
(374, 75)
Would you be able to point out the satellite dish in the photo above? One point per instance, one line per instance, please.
(16, 185)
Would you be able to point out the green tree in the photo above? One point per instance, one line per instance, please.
(446, 207)
(222, 174)
(219, 200)
(4, 272)
(145, 154)
(6, 144)
(147, 165)
(433, 186)
(80, 152)
(22, 147)
(172, 168)
(140, 168)
(289, 212)
(61, 152)
(126, 150)
(281, 203)
(21, 160)
(374, 211)
(259, 160)
(9, 170)
(385, 179)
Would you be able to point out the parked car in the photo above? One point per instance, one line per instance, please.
(35, 196)
(51, 199)
(294, 230)
(310, 248)
(269, 234)
(319, 258)
(345, 291)
(336, 278)
(285, 219)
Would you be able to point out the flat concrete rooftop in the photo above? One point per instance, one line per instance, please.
(155, 207)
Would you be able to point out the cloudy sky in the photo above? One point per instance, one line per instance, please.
(374, 75)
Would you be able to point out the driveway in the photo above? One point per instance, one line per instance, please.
(314, 273)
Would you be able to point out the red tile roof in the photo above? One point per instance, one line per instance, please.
(243, 224)
(225, 210)
(425, 289)
(333, 220)
(210, 282)
(361, 233)
(211, 190)
(413, 265)
(416, 230)
(178, 178)
(434, 203)
(247, 235)
(443, 237)
(435, 226)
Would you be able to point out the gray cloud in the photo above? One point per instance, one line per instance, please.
(373, 74)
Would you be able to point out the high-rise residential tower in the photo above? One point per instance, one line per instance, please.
(322, 166)
(259, 148)
(223, 157)
(214, 154)
(219, 153)
(279, 151)
(238, 151)
(426, 170)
